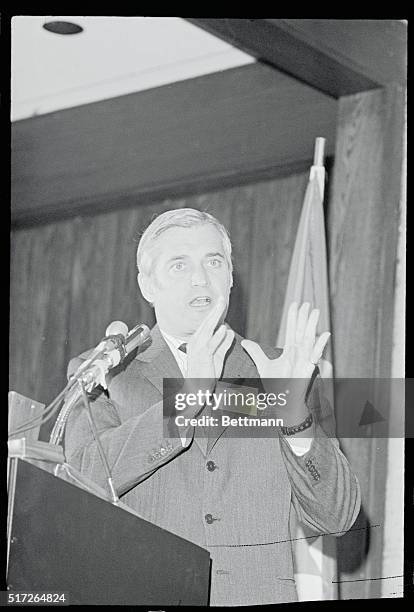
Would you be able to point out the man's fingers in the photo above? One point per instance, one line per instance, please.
(319, 347)
(310, 330)
(221, 352)
(209, 324)
(256, 353)
(227, 342)
(214, 342)
(291, 324)
(301, 322)
(225, 345)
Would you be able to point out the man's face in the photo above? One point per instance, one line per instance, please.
(189, 273)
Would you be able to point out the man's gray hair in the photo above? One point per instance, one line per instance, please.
(178, 217)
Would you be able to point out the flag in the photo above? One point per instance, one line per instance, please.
(314, 557)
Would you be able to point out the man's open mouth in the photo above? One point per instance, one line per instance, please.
(200, 301)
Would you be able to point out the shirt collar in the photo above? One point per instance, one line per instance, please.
(172, 340)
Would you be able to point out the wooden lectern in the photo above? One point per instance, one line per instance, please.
(65, 538)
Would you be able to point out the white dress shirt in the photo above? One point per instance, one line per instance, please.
(300, 446)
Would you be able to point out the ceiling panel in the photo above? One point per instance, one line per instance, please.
(113, 56)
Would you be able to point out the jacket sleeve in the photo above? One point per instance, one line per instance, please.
(325, 492)
(135, 447)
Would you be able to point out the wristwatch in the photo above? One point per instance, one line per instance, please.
(294, 429)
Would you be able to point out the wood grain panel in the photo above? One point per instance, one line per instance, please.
(273, 234)
(363, 225)
(41, 266)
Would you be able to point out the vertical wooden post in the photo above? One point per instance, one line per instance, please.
(363, 230)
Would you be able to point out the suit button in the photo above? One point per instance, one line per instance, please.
(211, 466)
(209, 518)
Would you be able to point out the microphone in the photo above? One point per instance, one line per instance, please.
(114, 338)
(136, 337)
(94, 373)
(115, 335)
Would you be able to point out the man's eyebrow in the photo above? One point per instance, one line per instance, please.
(176, 257)
(218, 254)
(180, 257)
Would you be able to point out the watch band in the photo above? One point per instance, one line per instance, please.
(290, 431)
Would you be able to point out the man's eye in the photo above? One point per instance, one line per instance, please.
(214, 263)
(178, 266)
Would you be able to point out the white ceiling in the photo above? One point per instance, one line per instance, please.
(113, 56)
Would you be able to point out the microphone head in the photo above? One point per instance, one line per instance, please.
(117, 328)
(137, 336)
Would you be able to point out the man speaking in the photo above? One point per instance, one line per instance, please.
(230, 495)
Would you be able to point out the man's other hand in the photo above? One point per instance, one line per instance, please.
(301, 351)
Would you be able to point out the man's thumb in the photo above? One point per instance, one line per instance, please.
(256, 353)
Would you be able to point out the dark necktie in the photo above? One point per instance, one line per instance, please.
(183, 347)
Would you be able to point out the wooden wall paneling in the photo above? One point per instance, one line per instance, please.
(355, 231)
(285, 220)
(41, 268)
(240, 227)
(104, 276)
(93, 271)
(276, 216)
(363, 225)
(263, 276)
(213, 131)
(20, 307)
(127, 303)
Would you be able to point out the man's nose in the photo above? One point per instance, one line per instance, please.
(199, 277)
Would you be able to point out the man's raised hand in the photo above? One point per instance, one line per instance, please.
(301, 351)
(207, 348)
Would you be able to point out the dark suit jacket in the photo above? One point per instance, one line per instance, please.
(249, 493)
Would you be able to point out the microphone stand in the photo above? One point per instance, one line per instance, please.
(88, 375)
(104, 459)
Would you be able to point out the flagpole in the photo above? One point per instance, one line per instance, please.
(319, 153)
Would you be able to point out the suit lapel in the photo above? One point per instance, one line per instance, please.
(160, 363)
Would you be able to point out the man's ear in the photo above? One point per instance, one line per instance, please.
(146, 286)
